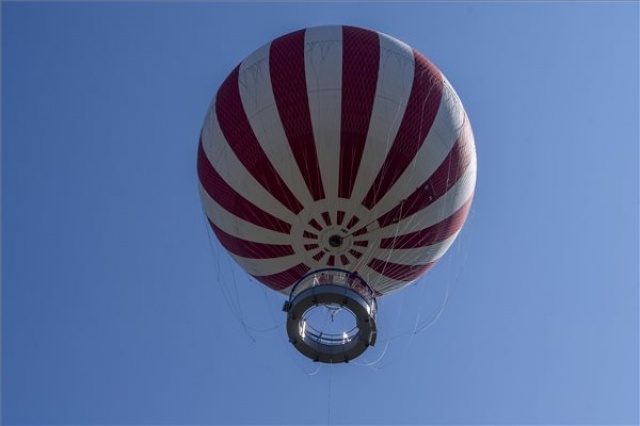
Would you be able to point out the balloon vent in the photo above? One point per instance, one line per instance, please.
(335, 240)
(331, 316)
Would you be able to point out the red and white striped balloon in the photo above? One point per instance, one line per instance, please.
(336, 132)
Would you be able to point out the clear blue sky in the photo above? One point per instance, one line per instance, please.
(117, 308)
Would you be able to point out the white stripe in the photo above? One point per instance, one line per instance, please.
(438, 211)
(416, 256)
(266, 267)
(238, 227)
(229, 167)
(395, 79)
(446, 128)
(441, 209)
(380, 283)
(409, 257)
(323, 69)
(256, 92)
(386, 285)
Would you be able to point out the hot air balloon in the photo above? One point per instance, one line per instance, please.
(336, 165)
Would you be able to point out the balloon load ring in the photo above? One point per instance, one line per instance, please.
(331, 290)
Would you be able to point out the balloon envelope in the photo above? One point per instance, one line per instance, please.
(336, 146)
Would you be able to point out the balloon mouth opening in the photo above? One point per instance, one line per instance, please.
(335, 240)
(331, 316)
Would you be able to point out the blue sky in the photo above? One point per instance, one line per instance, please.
(118, 307)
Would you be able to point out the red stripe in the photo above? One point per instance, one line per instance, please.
(231, 201)
(340, 216)
(359, 232)
(318, 256)
(431, 235)
(250, 249)
(446, 175)
(354, 220)
(286, 66)
(418, 118)
(326, 218)
(315, 224)
(399, 272)
(360, 63)
(283, 279)
(237, 131)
